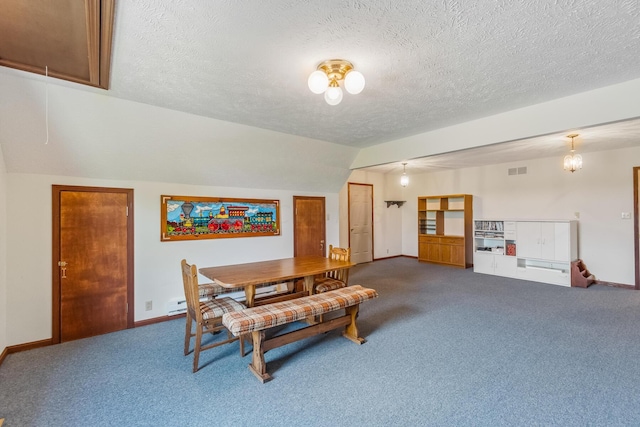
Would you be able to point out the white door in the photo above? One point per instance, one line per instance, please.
(361, 222)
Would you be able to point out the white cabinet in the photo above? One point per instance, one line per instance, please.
(539, 251)
(545, 240)
(500, 265)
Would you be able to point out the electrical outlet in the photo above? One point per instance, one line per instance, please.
(626, 215)
(148, 306)
(576, 215)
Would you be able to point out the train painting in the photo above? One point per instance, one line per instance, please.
(186, 218)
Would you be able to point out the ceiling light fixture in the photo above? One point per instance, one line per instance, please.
(404, 179)
(573, 161)
(327, 77)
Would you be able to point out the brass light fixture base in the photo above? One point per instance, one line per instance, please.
(335, 69)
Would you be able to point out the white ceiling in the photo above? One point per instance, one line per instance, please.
(427, 64)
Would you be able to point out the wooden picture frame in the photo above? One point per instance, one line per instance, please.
(195, 218)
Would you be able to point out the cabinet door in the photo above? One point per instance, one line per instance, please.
(562, 241)
(528, 238)
(547, 241)
(483, 262)
(433, 252)
(505, 265)
(422, 249)
(452, 254)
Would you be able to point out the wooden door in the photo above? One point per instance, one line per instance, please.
(636, 225)
(361, 222)
(309, 226)
(93, 261)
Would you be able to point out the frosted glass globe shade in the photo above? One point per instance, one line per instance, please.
(318, 82)
(354, 82)
(333, 95)
(404, 180)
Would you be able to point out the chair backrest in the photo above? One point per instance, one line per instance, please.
(191, 292)
(340, 254)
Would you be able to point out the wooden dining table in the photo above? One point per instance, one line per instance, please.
(247, 276)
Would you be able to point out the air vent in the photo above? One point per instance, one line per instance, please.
(517, 171)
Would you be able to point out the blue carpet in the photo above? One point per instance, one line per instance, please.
(445, 347)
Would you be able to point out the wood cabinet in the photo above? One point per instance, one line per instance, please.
(445, 229)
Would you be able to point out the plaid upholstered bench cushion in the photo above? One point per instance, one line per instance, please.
(213, 289)
(280, 313)
(214, 308)
(326, 284)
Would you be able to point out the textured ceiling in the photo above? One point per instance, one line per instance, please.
(427, 64)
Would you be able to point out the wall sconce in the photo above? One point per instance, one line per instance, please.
(573, 161)
(327, 77)
(404, 179)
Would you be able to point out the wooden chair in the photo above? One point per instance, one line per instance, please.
(207, 315)
(334, 279)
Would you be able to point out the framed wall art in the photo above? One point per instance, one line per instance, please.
(193, 218)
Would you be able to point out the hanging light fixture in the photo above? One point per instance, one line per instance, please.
(326, 79)
(573, 161)
(404, 179)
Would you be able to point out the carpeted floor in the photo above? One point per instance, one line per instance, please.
(445, 347)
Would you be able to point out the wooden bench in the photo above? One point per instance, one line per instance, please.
(256, 320)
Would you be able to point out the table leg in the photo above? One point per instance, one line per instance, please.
(250, 295)
(308, 284)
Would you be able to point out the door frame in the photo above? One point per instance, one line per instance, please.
(349, 184)
(55, 252)
(636, 224)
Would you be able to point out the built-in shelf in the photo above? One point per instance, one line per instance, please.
(398, 203)
(540, 251)
(445, 229)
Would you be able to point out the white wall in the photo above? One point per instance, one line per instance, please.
(3, 254)
(599, 192)
(157, 275)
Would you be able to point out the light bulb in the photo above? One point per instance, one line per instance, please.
(404, 180)
(318, 82)
(333, 95)
(354, 82)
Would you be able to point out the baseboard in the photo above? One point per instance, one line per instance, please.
(395, 256)
(154, 320)
(3, 355)
(28, 346)
(614, 285)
